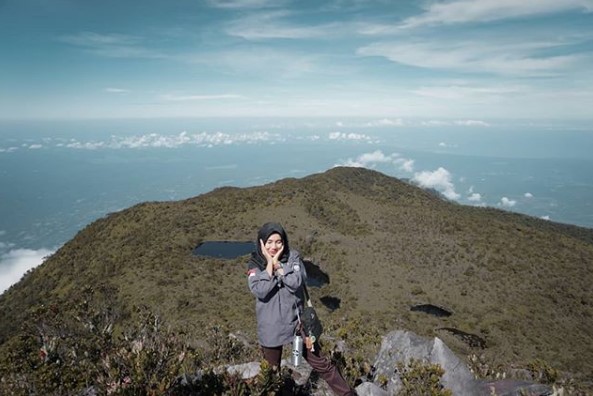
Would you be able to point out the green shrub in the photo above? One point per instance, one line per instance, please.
(419, 378)
(542, 372)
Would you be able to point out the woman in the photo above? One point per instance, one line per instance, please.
(276, 276)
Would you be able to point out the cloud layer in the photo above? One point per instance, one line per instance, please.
(456, 58)
(15, 263)
(469, 11)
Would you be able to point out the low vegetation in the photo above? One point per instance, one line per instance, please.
(520, 283)
(420, 378)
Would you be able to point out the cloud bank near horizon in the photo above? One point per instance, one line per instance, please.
(211, 139)
(15, 263)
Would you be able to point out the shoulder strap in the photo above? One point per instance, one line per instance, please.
(307, 298)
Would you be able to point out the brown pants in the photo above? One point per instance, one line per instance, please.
(319, 362)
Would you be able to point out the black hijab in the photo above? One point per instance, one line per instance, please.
(258, 260)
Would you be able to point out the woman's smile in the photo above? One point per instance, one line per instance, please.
(274, 244)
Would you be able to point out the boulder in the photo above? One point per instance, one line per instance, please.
(245, 370)
(370, 389)
(403, 346)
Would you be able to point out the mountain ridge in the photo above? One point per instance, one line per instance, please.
(520, 283)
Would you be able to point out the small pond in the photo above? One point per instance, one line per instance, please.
(331, 303)
(223, 249)
(431, 310)
(473, 340)
(233, 249)
(315, 276)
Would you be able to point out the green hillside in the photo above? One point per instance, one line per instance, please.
(522, 284)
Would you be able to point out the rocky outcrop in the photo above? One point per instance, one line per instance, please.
(402, 347)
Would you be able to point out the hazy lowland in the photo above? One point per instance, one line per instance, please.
(520, 284)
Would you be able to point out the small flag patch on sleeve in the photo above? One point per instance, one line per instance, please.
(251, 272)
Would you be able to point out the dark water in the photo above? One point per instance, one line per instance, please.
(331, 303)
(315, 276)
(233, 249)
(431, 310)
(224, 249)
(473, 340)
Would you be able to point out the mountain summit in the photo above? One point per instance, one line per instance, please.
(521, 286)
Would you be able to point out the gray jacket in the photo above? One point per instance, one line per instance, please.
(277, 300)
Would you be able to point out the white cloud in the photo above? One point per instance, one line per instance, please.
(264, 26)
(8, 150)
(498, 56)
(370, 160)
(92, 39)
(406, 165)
(15, 263)
(117, 90)
(439, 123)
(35, 146)
(472, 123)
(463, 11)
(464, 92)
(528, 195)
(439, 180)
(385, 122)
(86, 146)
(311, 138)
(432, 123)
(348, 136)
(5, 246)
(182, 98)
(112, 45)
(546, 217)
(155, 140)
(453, 146)
(245, 4)
(507, 203)
(474, 197)
(375, 156)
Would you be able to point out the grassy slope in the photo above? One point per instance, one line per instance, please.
(521, 283)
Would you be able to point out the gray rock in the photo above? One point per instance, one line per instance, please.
(370, 389)
(245, 370)
(300, 374)
(403, 346)
(89, 391)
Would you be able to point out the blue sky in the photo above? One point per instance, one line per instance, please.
(470, 59)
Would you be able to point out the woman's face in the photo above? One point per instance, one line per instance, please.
(274, 244)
